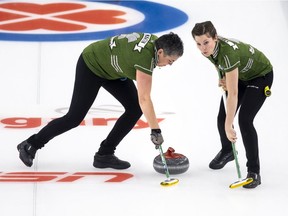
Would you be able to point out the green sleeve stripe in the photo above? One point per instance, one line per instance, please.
(115, 64)
(228, 64)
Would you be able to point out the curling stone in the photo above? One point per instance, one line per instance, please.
(176, 163)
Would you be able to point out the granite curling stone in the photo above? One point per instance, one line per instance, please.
(176, 163)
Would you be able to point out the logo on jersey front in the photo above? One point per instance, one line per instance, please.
(83, 20)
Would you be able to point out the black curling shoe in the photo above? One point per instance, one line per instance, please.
(256, 180)
(109, 161)
(221, 159)
(26, 153)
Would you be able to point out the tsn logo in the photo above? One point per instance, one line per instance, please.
(59, 177)
(34, 122)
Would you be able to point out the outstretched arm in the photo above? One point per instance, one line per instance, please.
(231, 104)
(144, 86)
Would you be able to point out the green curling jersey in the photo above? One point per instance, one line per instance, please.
(120, 56)
(230, 54)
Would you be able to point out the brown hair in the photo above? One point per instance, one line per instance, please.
(204, 28)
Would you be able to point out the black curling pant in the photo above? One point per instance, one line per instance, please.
(86, 88)
(250, 99)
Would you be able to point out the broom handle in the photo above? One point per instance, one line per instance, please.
(236, 160)
(233, 144)
(164, 162)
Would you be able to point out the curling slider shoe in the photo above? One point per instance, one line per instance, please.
(241, 183)
(169, 182)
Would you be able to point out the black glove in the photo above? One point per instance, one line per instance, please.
(156, 137)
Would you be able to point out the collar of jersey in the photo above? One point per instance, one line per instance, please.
(156, 57)
(216, 50)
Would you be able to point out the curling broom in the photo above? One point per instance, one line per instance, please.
(241, 181)
(169, 181)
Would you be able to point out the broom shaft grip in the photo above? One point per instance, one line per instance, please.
(233, 144)
(236, 159)
(164, 162)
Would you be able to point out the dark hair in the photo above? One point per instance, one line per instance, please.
(204, 28)
(171, 44)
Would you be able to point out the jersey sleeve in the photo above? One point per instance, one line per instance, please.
(146, 68)
(230, 61)
(144, 60)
